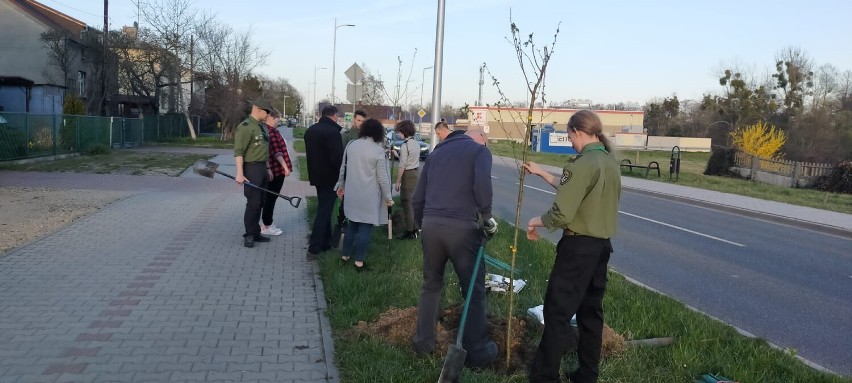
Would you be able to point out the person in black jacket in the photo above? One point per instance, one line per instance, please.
(324, 152)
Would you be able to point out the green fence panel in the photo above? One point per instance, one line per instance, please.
(13, 136)
(25, 135)
(133, 132)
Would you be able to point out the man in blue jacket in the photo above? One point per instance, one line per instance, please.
(452, 206)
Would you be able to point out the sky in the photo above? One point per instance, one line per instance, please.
(607, 51)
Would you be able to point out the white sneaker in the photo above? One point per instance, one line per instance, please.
(270, 230)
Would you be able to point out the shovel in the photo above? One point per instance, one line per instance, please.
(209, 168)
(456, 355)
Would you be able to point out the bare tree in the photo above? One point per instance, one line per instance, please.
(144, 68)
(172, 25)
(227, 58)
(826, 85)
(61, 55)
(533, 62)
(400, 90)
(374, 88)
(275, 90)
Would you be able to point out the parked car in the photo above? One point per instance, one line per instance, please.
(397, 142)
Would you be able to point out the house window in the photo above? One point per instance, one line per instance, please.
(81, 83)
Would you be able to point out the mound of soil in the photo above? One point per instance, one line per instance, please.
(396, 326)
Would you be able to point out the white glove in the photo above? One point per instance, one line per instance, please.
(490, 226)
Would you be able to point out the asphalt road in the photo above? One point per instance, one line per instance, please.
(788, 285)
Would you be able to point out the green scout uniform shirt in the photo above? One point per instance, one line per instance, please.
(587, 197)
(348, 135)
(251, 141)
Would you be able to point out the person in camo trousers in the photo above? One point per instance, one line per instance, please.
(279, 167)
(407, 176)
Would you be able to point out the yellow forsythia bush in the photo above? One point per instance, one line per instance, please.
(761, 140)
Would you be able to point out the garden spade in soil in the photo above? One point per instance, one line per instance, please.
(209, 169)
(456, 354)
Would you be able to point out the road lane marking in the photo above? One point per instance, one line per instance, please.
(658, 222)
(541, 190)
(684, 229)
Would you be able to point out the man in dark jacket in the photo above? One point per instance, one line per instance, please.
(452, 206)
(324, 152)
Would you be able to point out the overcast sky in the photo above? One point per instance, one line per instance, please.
(607, 51)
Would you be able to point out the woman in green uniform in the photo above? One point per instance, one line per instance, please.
(585, 210)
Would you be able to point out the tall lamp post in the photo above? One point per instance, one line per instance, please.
(284, 109)
(334, 55)
(314, 106)
(422, 85)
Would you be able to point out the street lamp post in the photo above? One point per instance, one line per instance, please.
(334, 55)
(284, 108)
(314, 106)
(422, 85)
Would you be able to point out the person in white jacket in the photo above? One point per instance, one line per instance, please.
(365, 182)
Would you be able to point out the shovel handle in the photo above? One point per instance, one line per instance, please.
(294, 201)
(473, 279)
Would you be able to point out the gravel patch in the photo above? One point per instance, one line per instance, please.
(27, 213)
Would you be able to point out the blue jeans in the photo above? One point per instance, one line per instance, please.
(357, 239)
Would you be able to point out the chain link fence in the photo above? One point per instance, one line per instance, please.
(27, 135)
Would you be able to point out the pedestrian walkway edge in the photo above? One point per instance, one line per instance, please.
(325, 326)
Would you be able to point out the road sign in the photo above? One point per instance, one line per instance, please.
(347, 117)
(354, 73)
(421, 113)
(354, 93)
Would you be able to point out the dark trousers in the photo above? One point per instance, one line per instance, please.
(256, 174)
(357, 240)
(459, 245)
(406, 190)
(269, 200)
(577, 284)
(341, 216)
(321, 235)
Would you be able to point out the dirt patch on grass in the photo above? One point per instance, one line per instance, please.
(396, 326)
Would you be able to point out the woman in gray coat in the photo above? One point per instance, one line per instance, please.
(365, 181)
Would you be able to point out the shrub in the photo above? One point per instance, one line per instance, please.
(720, 161)
(761, 140)
(838, 181)
(73, 105)
(97, 149)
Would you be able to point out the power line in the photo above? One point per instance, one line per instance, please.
(76, 9)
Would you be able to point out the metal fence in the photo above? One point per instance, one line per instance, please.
(26, 135)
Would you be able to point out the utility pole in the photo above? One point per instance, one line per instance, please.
(104, 64)
(334, 55)
(481, 83)
(422, 85)
(436, 79)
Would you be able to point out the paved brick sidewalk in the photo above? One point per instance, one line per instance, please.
(157, 287)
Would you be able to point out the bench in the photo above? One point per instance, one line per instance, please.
(653, 165)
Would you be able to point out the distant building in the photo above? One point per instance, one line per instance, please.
(509, 123)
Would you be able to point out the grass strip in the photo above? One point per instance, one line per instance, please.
(201, 142)
(703, 344)
(299, 132)
(299, 146)
(303, 168)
